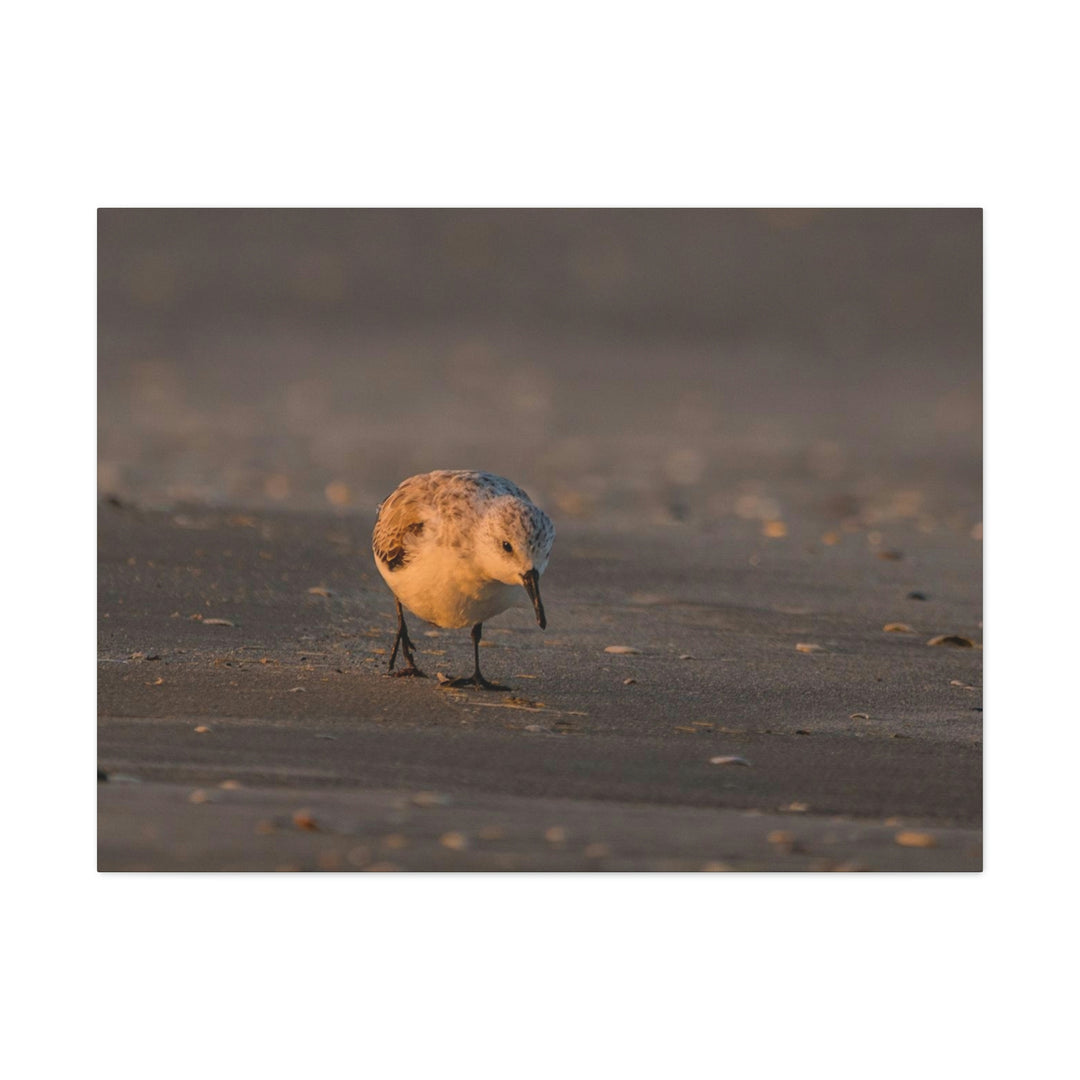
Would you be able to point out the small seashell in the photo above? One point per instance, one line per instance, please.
(217, 622)
(556, 834)
(622, 650)
(455, 841)
(952, 639)
(807, 647)
(727, 759)
(915, 839)
(303, 819)
(202, 729)
(897, 628)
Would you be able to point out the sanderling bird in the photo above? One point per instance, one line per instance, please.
(455, 546)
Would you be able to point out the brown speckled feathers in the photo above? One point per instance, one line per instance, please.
(403, 514)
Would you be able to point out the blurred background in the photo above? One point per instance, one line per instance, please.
(681, 365)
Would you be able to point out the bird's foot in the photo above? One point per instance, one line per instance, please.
(474, 680)
(403, 672)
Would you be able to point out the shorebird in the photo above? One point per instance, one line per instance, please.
(455, 547)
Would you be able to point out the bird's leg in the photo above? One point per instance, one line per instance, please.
(406, 644)
(476, 679)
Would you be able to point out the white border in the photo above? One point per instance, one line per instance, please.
(931, 105)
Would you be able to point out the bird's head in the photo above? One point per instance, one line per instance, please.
(515, 545)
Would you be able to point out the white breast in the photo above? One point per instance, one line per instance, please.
(441, 587)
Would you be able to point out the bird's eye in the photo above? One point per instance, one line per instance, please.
(507, 546)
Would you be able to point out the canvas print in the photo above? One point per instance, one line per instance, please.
(540, 540)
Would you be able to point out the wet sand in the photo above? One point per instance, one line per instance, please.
(872, 736)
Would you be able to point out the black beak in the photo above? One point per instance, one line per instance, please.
(531, 581)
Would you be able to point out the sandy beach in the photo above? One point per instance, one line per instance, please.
(759, 437)
(248, 650)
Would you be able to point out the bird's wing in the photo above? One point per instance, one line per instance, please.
(399, 523)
